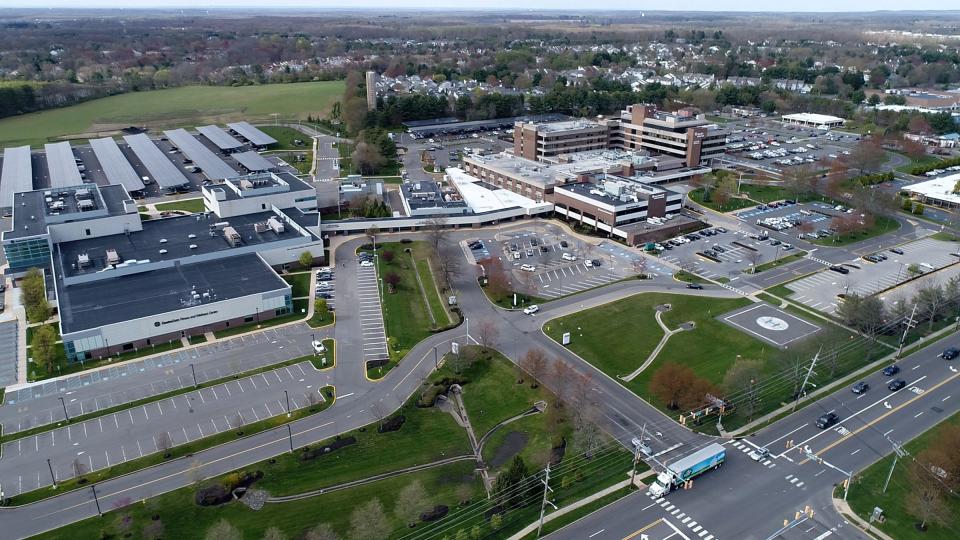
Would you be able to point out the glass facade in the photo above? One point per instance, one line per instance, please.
(27, 253)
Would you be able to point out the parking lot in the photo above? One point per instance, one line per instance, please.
(821, 290)
(548, 263)
(157, 426)
(326, 287)
(371, 316)
(721, 253)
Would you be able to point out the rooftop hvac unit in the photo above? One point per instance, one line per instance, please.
(163, 252)
(85, 204)
(232, 236)
(276, 225)
(221, 225)
(193, 246)
(260, 227)
(246, 184)
(83, 260)
(112, 257)
(83, 194)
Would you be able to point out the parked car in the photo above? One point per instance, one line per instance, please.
(528, 268)
(827, 420)
(896, 384)
(860, 387)
(318, 347)
(530, 310)
(366, 263)
(840, 269)
(898, 251)
(950, 353)
(569, 257)
(891, 370)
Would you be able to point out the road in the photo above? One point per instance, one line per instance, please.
(789, 481)
(769, 489)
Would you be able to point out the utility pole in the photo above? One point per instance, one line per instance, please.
(907, 329)
(636, 454)
(65, 415)
(543, 503)
(806, 378)
(898, 452)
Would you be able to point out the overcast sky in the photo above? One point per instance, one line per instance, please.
(688, 5)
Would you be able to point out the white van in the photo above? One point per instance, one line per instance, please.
(569, 257)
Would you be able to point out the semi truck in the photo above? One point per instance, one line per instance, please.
(688, 468)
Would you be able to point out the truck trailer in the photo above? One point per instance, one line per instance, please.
(688, 468)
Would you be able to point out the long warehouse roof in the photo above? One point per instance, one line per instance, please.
(219, 137)
(252, 134)
(253, 161)
(213, 167)
(62, 165)
(162, 169)
(115, 164)
(17, 174)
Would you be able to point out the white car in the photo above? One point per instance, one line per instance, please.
(569, 257)
(759, 454)
(366, 263)
(530, 310)
(318, 347)
(528, 268)
(641, 446)
(588, 263)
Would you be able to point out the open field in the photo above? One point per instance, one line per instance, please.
(867, 492)
(881, 225)
(177, 107)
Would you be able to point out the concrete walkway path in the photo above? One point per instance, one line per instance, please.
(656, 351)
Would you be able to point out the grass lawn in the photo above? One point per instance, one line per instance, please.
(923, 160)
(177, 107)
(945, 236)
(201, 338)
(434, 299)
(618, 353)
(406, 314)
(881, 225)
(731, 205)
(867, 492)
(688, 277)
(779, 262)
(283, 319)
(299, 283)
(285, 137)
(186, 205)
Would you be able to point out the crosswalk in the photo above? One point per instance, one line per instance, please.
(683, 518)
(572, 278)
(746, 449)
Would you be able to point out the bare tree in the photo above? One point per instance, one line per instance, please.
(378, 412)
(487, 333)
(639, 265)
(670, 382)
(930, 299)
(754, 258)
(534, 362)
(742, 378)
(926, 500)
(369, 522)
(448, 267)
(437, 231)
(587, 435)
(223, 530)
(79, 468)
(238, 421)
(563, 378)
(323, 531)
(411, 502)
(164, 443)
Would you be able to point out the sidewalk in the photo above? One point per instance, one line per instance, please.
(531, 528)
(843, 508)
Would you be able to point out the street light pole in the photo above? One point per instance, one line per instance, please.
(194, 373)
(286, 396)
(290, 436)
(65, 415)
(52, 477)
(93, 487)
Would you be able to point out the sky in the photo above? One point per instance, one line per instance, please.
(578, 5)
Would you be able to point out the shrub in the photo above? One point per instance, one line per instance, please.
(392, 424)
(436, 513)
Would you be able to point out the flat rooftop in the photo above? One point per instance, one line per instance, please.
(155, 293)
(813, 118)
(427, 194)
(598, 192)
(482, 197)
(17, 173)
(252, 134)
(568, 125)
(115, 165)
(175, 235)
(34, 210)
(162, 169)
(938, 188)
(212, 166)
(253, 162)
(62, 165)
(531, 172)
(219, 137)
(260, 183)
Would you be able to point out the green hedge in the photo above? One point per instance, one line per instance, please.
(921, 169)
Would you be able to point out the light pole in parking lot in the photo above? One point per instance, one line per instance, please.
(194, 373)
(286, 396)
(65, 415)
